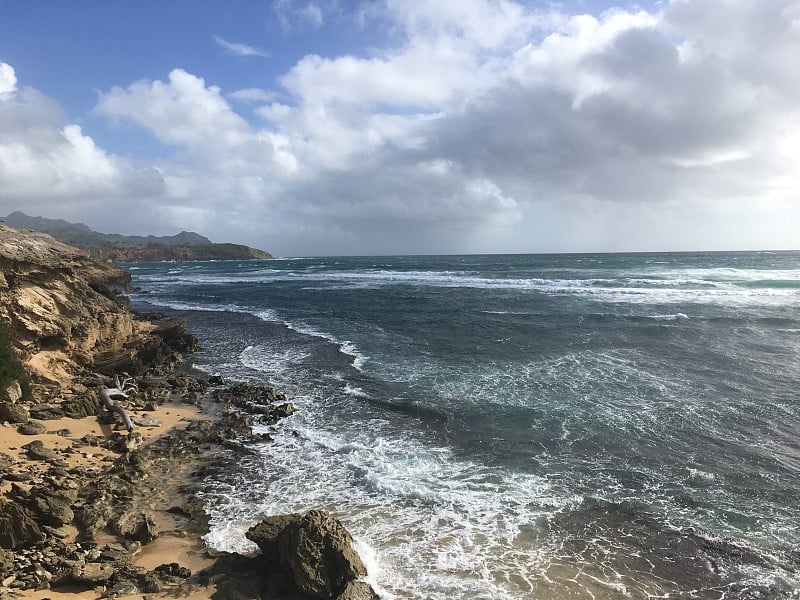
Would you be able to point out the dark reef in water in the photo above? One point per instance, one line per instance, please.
(670, 560)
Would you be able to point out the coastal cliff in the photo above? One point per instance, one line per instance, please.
(99, 504)
(66, 317)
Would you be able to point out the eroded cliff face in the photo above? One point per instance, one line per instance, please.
(62, 311)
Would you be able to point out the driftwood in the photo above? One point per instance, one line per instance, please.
(120, 391)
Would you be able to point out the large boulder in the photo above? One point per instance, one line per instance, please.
(17, 528)
(52, 507)
(315, 549)
(266, 534)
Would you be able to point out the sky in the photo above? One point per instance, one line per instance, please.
(328, 127)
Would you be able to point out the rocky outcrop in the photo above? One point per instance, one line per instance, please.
(316, 550)
(66, 317)
(17, 527)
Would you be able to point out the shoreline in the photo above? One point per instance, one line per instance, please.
(135, 522)
(99, 487)
(138, 524)
(187, 549)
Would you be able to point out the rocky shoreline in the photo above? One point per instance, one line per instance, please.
(90, 509)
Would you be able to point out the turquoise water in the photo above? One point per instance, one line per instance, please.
(518, 426)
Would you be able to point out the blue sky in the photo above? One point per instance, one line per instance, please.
(333, 127)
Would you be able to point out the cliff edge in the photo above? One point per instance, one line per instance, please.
(66, 317)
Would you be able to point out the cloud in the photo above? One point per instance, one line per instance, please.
(51, 164)
(252, 95)
(482, 125)
(8, 79)
(181, 111)
(294, 15)
(239, 49)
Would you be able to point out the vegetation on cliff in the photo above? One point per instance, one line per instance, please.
(11, 369)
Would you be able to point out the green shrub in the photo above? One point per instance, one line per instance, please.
(10, 366)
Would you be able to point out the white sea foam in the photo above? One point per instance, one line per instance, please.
(411, 503)
(346, 346)
(702, 475)
(671, 286)
(354, 391)
(672, 317)
(272, 361)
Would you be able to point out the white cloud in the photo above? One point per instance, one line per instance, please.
(252, 95)
(8, 79)
(181, 111)
(54, 166)
(485, 126)
(295, 15)
(239, 49)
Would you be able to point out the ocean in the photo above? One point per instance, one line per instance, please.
(520, 426)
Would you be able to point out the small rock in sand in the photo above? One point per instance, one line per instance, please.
(37, 451)
(32, 428)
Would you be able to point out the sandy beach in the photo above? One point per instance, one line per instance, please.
(177, 543)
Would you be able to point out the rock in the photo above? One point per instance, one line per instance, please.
(53, 508)
(6, 460)
(32, 428)
(13, 393)
(358, 590)
(6, 562)
(137, 526)
(93, 572)
(144, 421)
(315, 549)
(216, 380)
(46, 411)
(79, 388)
(13, 413)
(17, 528)
(37, 451)
(85, 406)
(266, 533)
(57, 532)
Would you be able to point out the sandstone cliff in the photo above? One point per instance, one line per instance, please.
(64, 314)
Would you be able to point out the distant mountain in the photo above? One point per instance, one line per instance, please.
(80, 236)
(186, 245)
